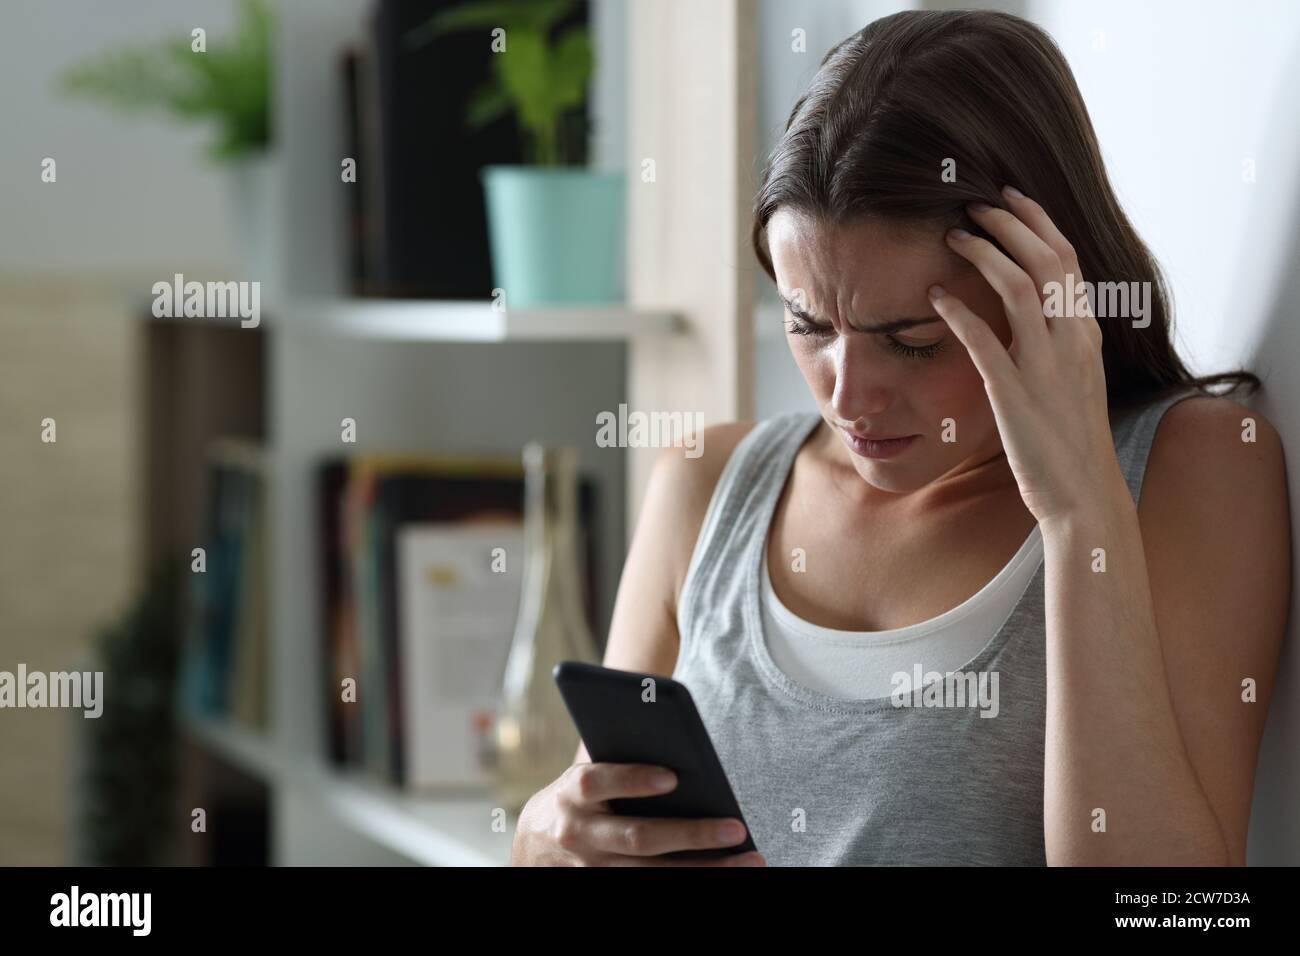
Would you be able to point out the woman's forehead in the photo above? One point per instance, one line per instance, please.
(865, 259)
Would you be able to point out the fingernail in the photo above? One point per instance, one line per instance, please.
(1013, 192)
(958, 233)
(979, 207)
(730, 832)
(662, 780)
(937, 292)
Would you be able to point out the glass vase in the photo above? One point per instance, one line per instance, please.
(535, 739)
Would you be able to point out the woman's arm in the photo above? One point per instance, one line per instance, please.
(1148, 720)
(643, 628)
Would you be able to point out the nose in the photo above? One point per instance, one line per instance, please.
(864, 381)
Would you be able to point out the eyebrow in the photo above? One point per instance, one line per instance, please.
(894, 325)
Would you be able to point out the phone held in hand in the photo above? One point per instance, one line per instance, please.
(627, 717)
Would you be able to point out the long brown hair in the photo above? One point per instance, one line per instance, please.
(992, 92)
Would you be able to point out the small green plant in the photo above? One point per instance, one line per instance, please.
(230, 83)
(539, 78)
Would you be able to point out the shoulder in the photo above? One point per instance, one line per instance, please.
(681, 487)
(1213, 444)
(686, 484)
(1214, 512)
(697, 476)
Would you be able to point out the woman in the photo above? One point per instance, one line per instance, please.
(1009, 490)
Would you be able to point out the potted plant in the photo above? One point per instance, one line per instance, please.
(555, 227)
(226, 83)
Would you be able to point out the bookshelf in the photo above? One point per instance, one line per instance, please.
(293, 382)
(415, 377)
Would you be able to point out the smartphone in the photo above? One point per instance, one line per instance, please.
(626, 717)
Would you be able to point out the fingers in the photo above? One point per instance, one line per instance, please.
(584, 830)
(653, 836)
(991, 359)
(1036, 218)
(1019, 293)
(594, 783)
(1030, 250)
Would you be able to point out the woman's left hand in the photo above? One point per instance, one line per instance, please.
(1048, 390)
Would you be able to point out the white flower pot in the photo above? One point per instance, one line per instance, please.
(255, 198)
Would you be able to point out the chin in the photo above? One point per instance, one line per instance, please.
(887, 480)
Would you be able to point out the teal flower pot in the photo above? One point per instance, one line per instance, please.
(556, 234)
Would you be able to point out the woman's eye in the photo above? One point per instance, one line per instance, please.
(915, 351)
(897, 346)
(799, 327)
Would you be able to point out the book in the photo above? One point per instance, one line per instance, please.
(429, 160)
(459, 592)
(338, 658)
(436, 490)
(224, 655)
(247, 680)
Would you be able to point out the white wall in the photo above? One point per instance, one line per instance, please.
(131, 192)
(1182, 94)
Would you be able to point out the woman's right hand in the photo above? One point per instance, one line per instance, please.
(569, 823)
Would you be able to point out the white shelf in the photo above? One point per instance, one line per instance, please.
(453, 830)
(435, 831)
(468, 321)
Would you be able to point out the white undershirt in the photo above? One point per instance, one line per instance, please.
(860, 665)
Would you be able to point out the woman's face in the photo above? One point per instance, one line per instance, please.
(900, 377)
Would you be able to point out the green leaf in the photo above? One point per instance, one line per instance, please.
(538, 80)
(571, 68)
(131, 80)
(228, 85)
(523, 72)
(532, 15)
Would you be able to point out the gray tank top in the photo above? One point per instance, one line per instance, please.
(824, 781)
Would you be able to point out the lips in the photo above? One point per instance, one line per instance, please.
(861, 437)
(872, 446)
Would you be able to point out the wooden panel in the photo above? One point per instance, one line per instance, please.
(692, 112)
(202, 381)
(70, 516)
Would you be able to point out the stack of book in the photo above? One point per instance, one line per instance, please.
(422, 561)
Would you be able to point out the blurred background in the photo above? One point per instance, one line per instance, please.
(294, 536)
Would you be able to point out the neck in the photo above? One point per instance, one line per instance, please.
(977, 477)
